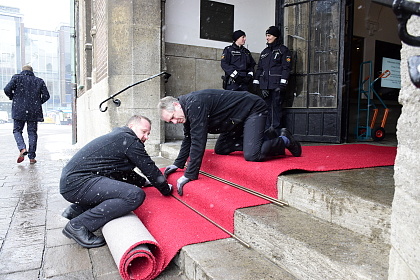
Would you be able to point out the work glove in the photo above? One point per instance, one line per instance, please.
(169, 170)
(180, 184)
(170, 189)
(265, 93)
(147, 184)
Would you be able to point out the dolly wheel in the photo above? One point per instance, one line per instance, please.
(378, 134)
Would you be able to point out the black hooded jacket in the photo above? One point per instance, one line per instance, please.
(212, 111)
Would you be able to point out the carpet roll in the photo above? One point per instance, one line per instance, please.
(135, 251)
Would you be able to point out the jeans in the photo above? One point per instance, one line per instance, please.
(250, 139)
(103, 200)
(31, 127)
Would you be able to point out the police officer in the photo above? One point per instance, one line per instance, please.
(238, 64)
(272, 76)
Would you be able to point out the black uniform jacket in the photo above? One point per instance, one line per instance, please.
(212, 111)
(112, 155)
(28, 94)
(274, 64)
(237, 58)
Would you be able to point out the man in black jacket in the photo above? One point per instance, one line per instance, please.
(238, 63)
(101, 182)
(28, 94)
(238, 116)
(272, 76)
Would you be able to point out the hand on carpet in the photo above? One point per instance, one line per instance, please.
(169, 170)
(180, 183)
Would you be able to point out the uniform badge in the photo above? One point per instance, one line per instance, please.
(288, 59)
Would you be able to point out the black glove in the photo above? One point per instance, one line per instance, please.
(283, 87)
(239, 80)
(180, 184)
(169, 170)
(265, 93)
(247, 79)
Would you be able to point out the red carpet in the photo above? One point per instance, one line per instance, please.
(173, 225)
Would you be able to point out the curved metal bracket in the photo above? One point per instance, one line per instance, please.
(404, 10)
(117, 102)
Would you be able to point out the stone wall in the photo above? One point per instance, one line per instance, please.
(192, 68)
(405, 219)
(130, 52)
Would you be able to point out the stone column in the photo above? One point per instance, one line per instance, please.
(134, 54)
(404, 260)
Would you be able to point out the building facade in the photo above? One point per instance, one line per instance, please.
(121, 43)
(48, 52)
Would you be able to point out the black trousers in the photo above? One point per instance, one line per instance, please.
(274, 103)
(104, 200)
(250, 139)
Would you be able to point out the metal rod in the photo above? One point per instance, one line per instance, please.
(253, 192)
(214, 223)
(117, 102)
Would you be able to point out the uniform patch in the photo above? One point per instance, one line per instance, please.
(288, 59)
(223, 56)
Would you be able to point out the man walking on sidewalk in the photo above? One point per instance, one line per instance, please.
(28, 94)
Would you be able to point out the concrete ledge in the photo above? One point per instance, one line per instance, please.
(310, 248)
(227, 259)
(358, 199)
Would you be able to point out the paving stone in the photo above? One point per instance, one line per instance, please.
(79, 275)
(21, 235)
(55, 238)
(102, 261)
(66, 259)
(9, 202)
(23, 258)
(29, 218)
(31, 274)
(7, 213)
(9, 192)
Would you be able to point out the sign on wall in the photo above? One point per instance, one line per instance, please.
(394, 79)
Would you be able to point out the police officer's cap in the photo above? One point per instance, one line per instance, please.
(237, 34)
(272, 30)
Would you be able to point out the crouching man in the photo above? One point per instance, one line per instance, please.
(101, 182)
(238, 116)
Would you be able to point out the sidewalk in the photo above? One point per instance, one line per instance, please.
(31, 243)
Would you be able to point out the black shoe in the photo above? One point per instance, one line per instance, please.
(294, 146)
(72, 211)
(83, 236)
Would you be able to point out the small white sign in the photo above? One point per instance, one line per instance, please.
(394, 79)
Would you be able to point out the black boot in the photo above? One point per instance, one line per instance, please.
(294, 146)
(83, 236)
(72, 211)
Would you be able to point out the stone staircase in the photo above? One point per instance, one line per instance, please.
(337, 226)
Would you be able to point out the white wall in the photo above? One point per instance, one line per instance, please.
(182, 22)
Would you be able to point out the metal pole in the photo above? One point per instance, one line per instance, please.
(253, 192)
(214, 223)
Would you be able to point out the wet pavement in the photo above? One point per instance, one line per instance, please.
(32, 245)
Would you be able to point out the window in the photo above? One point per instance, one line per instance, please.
(216, 21)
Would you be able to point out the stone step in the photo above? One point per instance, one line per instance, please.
(227, 259)
(308, 247)
(359, 199)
